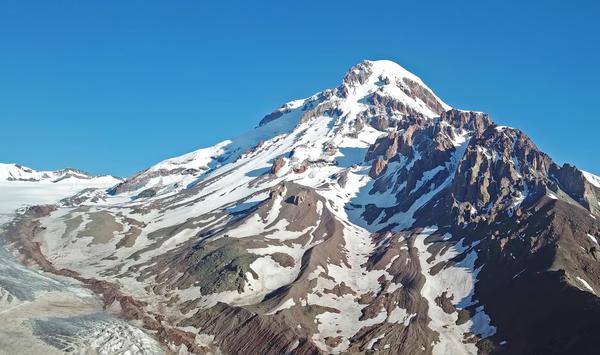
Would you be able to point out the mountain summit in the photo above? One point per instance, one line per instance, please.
(371, 217)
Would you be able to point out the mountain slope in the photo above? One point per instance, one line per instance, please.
(369, 217)
(41, 312)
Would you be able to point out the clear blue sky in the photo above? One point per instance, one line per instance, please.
(115, 86)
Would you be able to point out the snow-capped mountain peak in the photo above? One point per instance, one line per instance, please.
(373, 97)
(389, 79)
(371, 217)
(22, 186)
(17, 172)
(385, 68)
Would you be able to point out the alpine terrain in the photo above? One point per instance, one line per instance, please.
(369, 218)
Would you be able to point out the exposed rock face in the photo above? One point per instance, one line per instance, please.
(469, 120)
(358, 75)
(385, 146)
(141, 180)
(272, 116)
(147, 193)
(496, 166)
(378, 167)
(243, 332)
(300, 169)
(574, 183)
(295, 200)
(277, 165)
(389, 223)
(418, 91)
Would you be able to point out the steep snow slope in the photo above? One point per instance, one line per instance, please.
(593, 179)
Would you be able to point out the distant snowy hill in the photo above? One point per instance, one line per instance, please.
(22, 186)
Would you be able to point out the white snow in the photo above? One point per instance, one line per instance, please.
(374, 340)
(199, 159)
(406, 219)
(111, 338)
(586, 284)
(593, 179)
(392, 70)
(518, 200)
(399, 315)
(289, 303)
(20, 172)
(458, 281)
(519, 273)
(17, 194)
(271, 277)
(428, 175)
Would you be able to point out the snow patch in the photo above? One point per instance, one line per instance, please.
(457, 280)
(591, 178)
(586, 284)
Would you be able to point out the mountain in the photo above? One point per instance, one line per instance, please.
(21, 186)
(15, 172)
(372, 217)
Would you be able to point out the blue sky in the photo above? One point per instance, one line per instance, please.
(115, 86)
